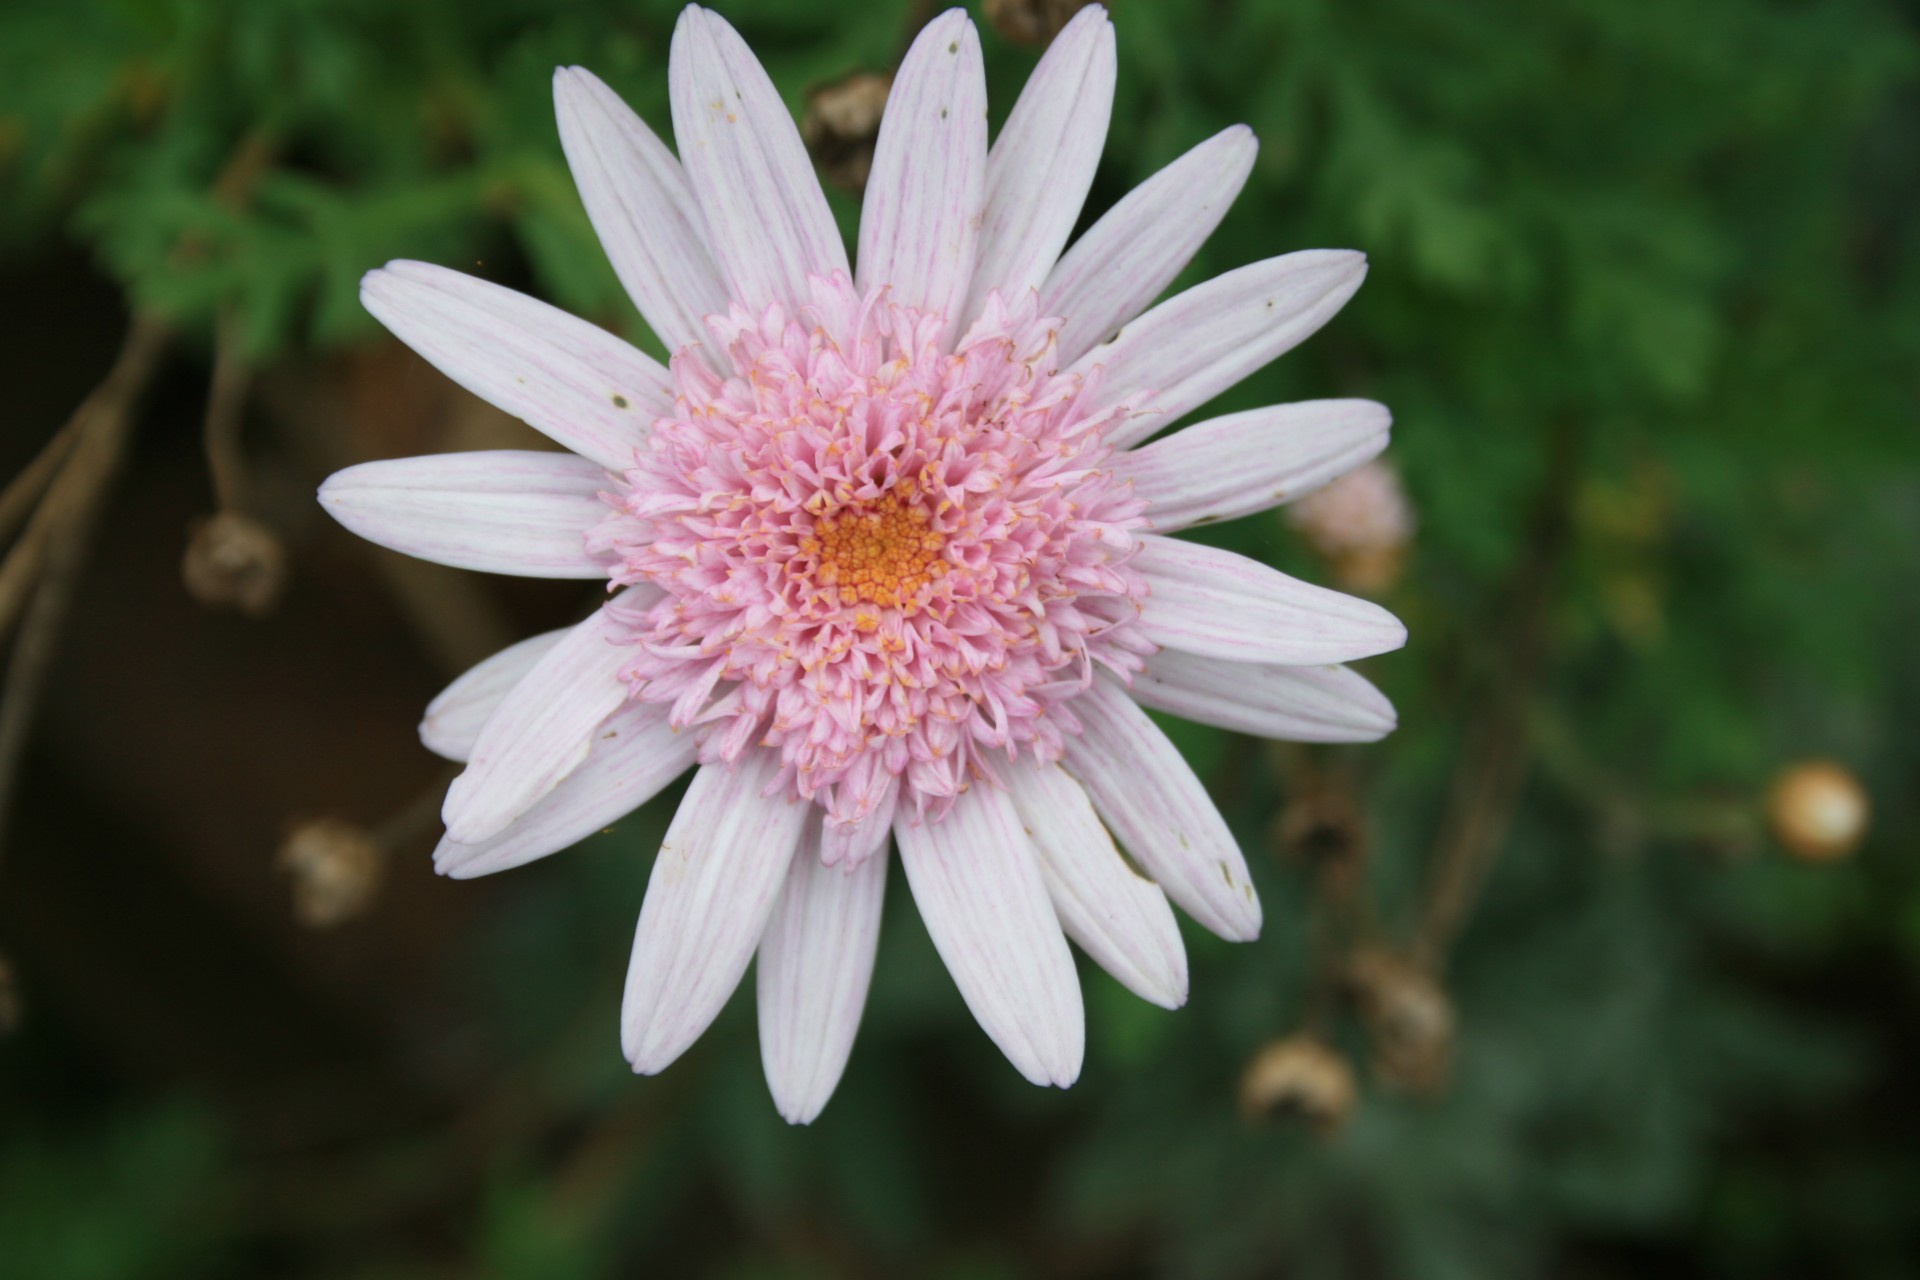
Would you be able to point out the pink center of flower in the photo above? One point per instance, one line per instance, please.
(883, 558)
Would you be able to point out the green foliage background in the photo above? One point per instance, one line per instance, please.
(1644, 275)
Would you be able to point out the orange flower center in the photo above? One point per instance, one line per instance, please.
(879, 554)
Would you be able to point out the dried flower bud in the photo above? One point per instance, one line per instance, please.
(1408, 1019)
(841, 124)
(1302, 1077)
(234, 562)
(1818, 810)
(1322, 827)
(1031, 22)
(1362, 523)
(336, 868)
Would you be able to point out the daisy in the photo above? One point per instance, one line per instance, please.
(887, 549)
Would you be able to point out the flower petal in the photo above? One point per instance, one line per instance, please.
(573, 381)
(766, 218)
(1207, 601)
(454, 718)
(976, 879)
(641, 207)
(634, 754)
(1122, 263)
(1043, 161)
(847, 844)
(1296, 704)
(1119, 918)
(499, 511)
(1247, 462)
(1149, 797)
(816, 959)
(1196, 344)
(543, 727)
(713, 886)
(921, 218)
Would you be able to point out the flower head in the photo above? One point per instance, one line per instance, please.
(888, 554)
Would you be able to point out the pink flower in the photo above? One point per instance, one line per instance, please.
(886, 558)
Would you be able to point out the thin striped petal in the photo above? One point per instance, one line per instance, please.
(977, 882)
(1043, 161)
(713, 887)
(1248, 462)
(1196, 344)
(815, 962)
(766, 218)
(1124, 261)
(543, 727)
(1149, 797)
(921, 217)
(1211, 602)
(573, 381)
(634, 754)
(641, 208)
(454, 718)
(1117, 917)
(851, 843)
(499, 511)
(1295, 704)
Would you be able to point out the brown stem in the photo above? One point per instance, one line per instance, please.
(23, 492)
(226, 405)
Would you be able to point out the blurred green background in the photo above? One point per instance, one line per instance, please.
(1645, 301)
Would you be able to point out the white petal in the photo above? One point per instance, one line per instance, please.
(1196, 344)
(1043, 161)
(454, 719)
(542, 729)
(574, 381)
(976, 879)
(1125, 259)
(766, 218)
(1297, 704)
(816, 960)
(713, 887)
(499, 511)
(851, 843)
(1149, 797)
(921, 218)
(641, 207)
(634, 754)
(1118, 918)
(1221, 605)
(1247, 462)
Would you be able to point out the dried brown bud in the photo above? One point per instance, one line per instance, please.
(234, 562)
(1300, 1077)
(1031, 22)
(841, 124)
(1818, 810)
(1323, 828)
(1408, 1019)
(336, 868)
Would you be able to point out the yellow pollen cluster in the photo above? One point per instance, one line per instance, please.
(879, 554)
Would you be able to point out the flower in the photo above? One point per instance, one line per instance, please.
(888, 565)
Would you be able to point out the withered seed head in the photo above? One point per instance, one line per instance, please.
(235, 562)
(1301, 1077)
(336, 867)
(1408, 1018)
(841, 124)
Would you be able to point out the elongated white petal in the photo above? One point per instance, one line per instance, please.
(1247, 462)
(1134, 251)
(499, 511)
(816, 959)
(1296, 704)
(454, 718)
(921, 217)
(1207, 601)
(766, 218)
(1196, 344)
(851, 843)
(713, 886)
(573, 381)
(543, 727)
(1149, 797)
(976, 879)
(1043, 161)
(1118, 918)
(633, 754)
(641, 207)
